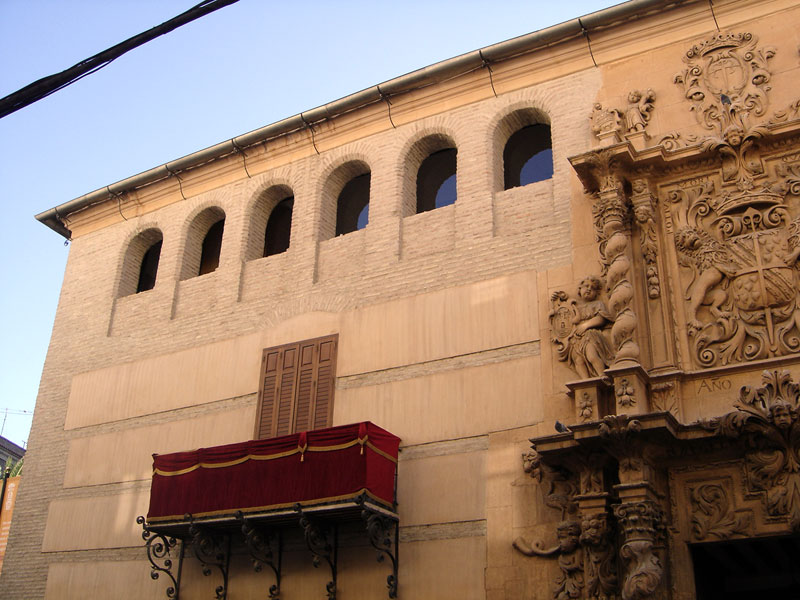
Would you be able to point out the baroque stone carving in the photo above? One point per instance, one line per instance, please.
(606, 123)
(600, 564)
(569, 584)
(664, 397)
(612, 223)
(741, 248)
(585, 407)
(625, 393)
(639, 522)
(578, 326)
(586, 546)
(637, 115)
(561, 486)
(611, 124)
(726, 73)
(642, 201)
(766, 420)
(713, 514)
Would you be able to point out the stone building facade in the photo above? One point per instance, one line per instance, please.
(593, 375)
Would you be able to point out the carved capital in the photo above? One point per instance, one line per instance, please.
(638, 523)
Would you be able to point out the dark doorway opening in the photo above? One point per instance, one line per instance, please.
(746, 569)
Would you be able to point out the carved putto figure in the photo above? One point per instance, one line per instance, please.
(578, 329)
(638, 112)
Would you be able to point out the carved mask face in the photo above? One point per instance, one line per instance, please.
(781, 416)
(568, 537)
(594, 530)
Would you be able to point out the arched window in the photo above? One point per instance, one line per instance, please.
(436, 180)
(149, 268)
(212, 244)
(528, 156)
(140, 263)
(203, 243)
(352, 206)
(279, 228)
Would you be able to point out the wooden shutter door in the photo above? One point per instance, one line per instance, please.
(305, 385)
(297, 384)
(267, 393)
(325, 382)
(287, 384)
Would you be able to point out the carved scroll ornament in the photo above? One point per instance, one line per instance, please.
(766, 420)
(713, 515)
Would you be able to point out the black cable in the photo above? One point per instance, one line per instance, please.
(52, 83)
(585, 33)
(711, 6)
(239, 150)
(311, 129)
(385, 98)
(176, 176)
(489, 68)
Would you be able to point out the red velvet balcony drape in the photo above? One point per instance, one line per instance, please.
(310, 467)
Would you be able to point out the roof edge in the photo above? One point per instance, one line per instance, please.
(429, 75)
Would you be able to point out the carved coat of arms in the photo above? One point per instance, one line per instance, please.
(739, 232)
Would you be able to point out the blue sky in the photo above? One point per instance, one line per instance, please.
(245, 66)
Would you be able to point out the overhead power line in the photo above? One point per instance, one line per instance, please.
(52, 83)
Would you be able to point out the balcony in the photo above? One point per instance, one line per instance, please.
(253, 495)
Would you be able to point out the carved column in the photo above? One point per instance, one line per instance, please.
(612, 219)
(639, 515)
(598, 535)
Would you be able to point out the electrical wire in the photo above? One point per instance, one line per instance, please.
(52, 83)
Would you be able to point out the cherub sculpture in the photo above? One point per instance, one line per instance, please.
(638, 112)
(578, 329)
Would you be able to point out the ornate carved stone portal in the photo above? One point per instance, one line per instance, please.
(699, 239)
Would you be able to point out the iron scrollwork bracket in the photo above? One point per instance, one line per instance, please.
(159, 552)
(259, 542)
(383, 536)
(212, 551)
(323, 544)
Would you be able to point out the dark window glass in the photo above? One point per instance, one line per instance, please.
(212, 244)
(279, 228)
(528, 156)
(149, 268)
(436, 180)
(352, 207)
